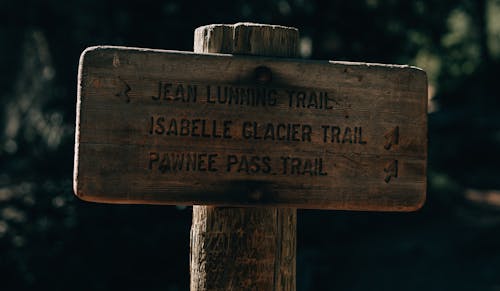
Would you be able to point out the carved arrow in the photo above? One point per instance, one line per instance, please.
(392, 138)
(391, 170)
(124, 91)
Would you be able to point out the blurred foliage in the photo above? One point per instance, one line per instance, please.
(51, 241)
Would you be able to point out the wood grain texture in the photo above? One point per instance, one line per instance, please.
(244, 248)
(247, 39)
(366, 149)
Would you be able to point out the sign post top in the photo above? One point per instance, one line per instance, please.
(167, 127)
(246, 38)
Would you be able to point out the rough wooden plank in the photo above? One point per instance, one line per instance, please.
(355, 133)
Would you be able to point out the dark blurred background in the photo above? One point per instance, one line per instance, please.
(49, 240)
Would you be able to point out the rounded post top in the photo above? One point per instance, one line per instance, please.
(248, 39)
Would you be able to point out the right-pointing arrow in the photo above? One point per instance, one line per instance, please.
(392, 138)
(391, 170)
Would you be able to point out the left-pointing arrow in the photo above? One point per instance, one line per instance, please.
(123, 93)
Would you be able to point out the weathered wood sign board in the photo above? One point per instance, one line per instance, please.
(169, 127)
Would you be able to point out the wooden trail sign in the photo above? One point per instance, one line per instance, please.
(170, 127)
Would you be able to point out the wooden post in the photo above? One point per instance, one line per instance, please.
(244, 248)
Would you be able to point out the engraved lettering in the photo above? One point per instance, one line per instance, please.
(268, 131)
(184, 127)
(360, 136)
(166, 91)
(172, 128)
(211, 162)
(279, 131)
(176, 92)
(313, 100)
(249, 96)
(201, 162)
(204, 132)
(231, 161)
(248, 164)
(157, 96)
(327, 99)
(302, 166)
(335, 134)
(174, 162)
(246, 130)
(151, 125)
(301, 98)
(227, 127)
(160, 129)
(325, 132)
(194, 127)
(346, 135)
(272, 97)
(190, 127)
(309, 99)
(266, 162)
(153, 158)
